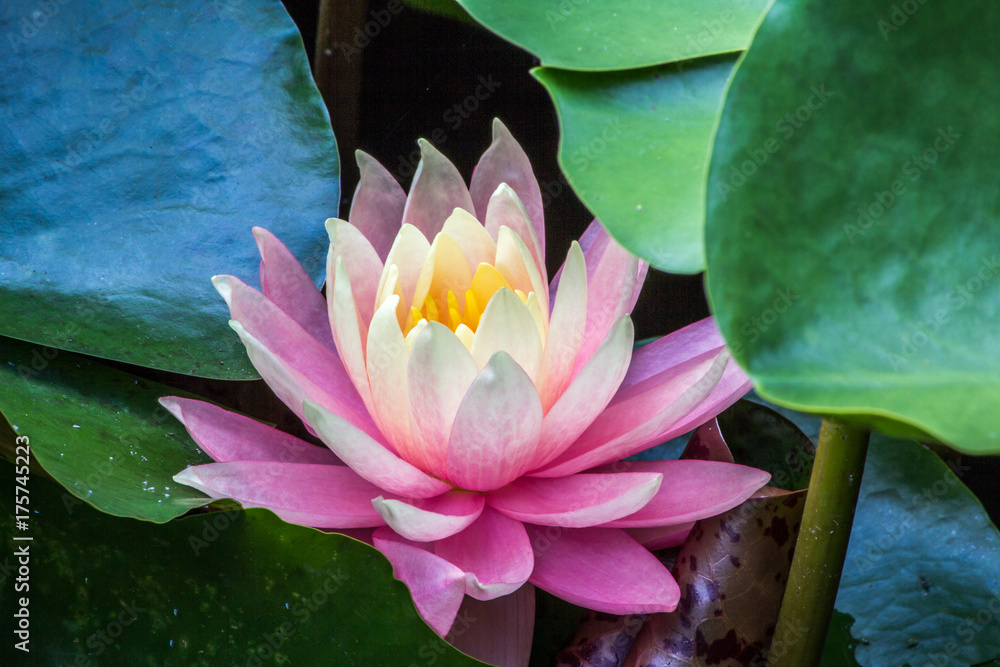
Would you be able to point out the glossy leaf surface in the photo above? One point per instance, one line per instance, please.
(922, 548)
(224, 588)
(573, 34)
(98, 431)
(853, 261)
(635, 146)
(123, 196)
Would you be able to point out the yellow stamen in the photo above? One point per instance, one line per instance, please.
(454, 315)
(472, 312)
(486, 282)
(431, 309)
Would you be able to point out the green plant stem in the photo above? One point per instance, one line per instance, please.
(821, 547)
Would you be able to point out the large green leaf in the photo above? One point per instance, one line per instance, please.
(232, 588)
(583, 35)
(98, 431)
(635, 148)
(852, 215)
(922, 576)
(141, 141)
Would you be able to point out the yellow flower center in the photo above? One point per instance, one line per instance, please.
(448, 310)
(453, 279)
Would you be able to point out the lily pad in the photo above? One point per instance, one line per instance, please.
(122, 197)
(853, 263)
(922, 576)
(601, 640)
(98, 431)
(581, 35)
(635, 147)
(224, 588)
(916, 525)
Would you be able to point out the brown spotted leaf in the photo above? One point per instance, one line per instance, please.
(732, 572)
(707, 444)
(601, 640)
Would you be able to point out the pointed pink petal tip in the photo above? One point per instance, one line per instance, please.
(692, 490)
(227, 436)
(603, 569)
(432, 519)
(576, 501)
(436, 585)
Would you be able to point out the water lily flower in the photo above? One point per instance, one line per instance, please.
(476, 415)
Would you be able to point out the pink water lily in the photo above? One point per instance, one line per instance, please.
(475, 414)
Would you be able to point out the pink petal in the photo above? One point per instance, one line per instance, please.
(284, 282)
(641, 416)
(347, 330)
(386, 359)
(640, 278)
(227, 436)
(505, 162)
(594, 233)
(505, 209)
(437, 190)
(602, 569)
(496, 430)
(691, 490)
(431, 519)
(436, 585)
(498, 631)
(438, 375)
(594, 242)
(370, 459)
(507, 325)
(707, 444)
(661, 537)
(611, 279)
(733, 385)
(293, 363)
(363, 266)
(569, 317)
(310, 494)
(673, 349)
(377, 208)
(587, 396)
(576, 501)
(494, 552)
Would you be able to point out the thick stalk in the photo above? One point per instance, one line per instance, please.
(821, 547)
